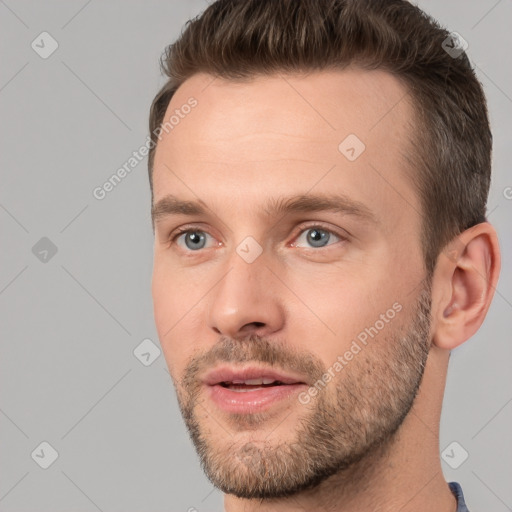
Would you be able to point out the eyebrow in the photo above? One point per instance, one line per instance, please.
(303, 203)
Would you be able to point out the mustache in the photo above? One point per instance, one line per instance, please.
(256, 349)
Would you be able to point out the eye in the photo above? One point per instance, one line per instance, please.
(316, 236)
(191, 239)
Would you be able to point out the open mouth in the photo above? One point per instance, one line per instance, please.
(251, 389)
(251, 385)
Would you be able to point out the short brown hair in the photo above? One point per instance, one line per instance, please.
(451, 171)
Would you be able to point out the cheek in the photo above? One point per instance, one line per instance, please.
(172, 294)
(177, 310)
(167, 310)
(163, 300)
(338, 305)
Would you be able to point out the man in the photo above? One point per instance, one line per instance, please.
(319, 178)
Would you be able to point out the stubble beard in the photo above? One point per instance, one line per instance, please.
(348, 423)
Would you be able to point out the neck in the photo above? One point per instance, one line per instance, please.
(405, 474)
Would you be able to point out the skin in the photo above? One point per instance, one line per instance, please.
(276, 136)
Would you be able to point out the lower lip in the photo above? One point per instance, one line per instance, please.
(247, 402)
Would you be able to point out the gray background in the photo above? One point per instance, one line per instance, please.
(70, 324)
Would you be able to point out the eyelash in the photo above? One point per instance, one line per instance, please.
(188, 229)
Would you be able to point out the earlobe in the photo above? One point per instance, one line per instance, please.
(467, 273)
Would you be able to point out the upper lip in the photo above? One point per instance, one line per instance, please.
(241, 375)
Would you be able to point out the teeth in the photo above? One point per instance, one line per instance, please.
(253, 382)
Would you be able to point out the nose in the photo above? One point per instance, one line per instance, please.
(247, 300)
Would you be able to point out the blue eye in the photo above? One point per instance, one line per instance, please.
(313, 237)
(317, 237)
(194, 239)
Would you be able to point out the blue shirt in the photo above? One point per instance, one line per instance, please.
(457, 492)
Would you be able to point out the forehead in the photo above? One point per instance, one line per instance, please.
(271, 136)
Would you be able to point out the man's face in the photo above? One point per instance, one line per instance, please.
(270, 284)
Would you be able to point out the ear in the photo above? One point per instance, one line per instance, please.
(463, 285)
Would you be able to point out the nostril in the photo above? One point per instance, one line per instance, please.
(252, 326)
